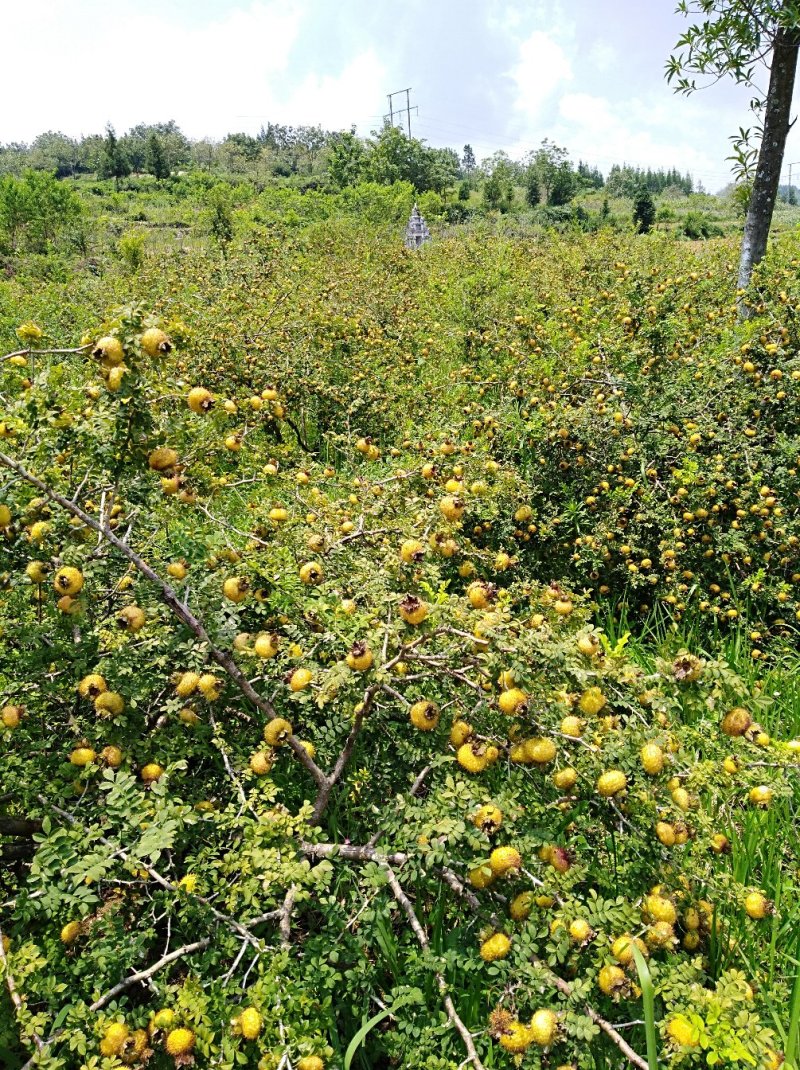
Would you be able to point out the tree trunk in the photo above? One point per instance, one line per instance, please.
(770, 158)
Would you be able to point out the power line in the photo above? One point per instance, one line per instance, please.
(399, 111)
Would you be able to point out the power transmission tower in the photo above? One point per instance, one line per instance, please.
(400, 111)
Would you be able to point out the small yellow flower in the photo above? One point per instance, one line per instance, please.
(188, 883)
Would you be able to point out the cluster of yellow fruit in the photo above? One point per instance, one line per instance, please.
(110, 354)
(516, 1036)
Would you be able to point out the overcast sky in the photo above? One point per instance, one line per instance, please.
(500, 74)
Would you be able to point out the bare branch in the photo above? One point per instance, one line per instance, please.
(143, 975)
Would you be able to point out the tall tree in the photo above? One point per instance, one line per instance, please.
(468, 161)
(735, 38)
(113, 163)
(155, 159)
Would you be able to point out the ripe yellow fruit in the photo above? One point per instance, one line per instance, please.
(652, 758)
(187, 684)
(300, 679)
(588, 645)
(504, 860)
(235, 589)
(413, 610)
(92, 685)
(736, 721)
(681, 1032)
(109, 704)
(261, 762)
(68, 580)
(424, 715)
(757, 906)
(151, 772)
(411, 551)
(179, 1041)
(681, 798)
(666, 833)
(312, 573)
(516, 1038)
(310, 1062)
(660, 935)
(521, 906)
(612, 981)
(480, 594)
(496, 947)
(563, 607)
(580, 931)
(512, 700)
(659, 908)
(472, 758)
(112, 756)
(114, 1037)
(131, 618)
(82, 756)
(622, 948)
(592, 701)
(5, 516)
(210, 686)
(155, 342)
(250, 1023)
(540, 751)
(11, 716)
(761, 795)
(543, 1027)
(276, 731)
(359, 657)
(572, 726)
(36, 571)
(200, 400)
(481, 877)
(488, 818)
(177, 569)
(266, 645)
(565, 779)
(70, 932)
(611, 783)
(460, 732)
(162, 459)
(452, 508)
(109, 350)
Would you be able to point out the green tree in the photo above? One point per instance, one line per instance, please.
(549, 169)
(155, 160)
(34, 210)
(468, 162)
(347, 159)
(644, 210)
(114, 162)
(731, 39)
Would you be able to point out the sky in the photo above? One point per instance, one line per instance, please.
(499, 74)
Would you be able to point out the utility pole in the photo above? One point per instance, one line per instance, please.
(400, 111)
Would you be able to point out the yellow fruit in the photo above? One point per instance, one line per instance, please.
(155, 343)
(512, 700)
(179, 1041)
(580, 931)
(565, 779)
(68, 581)
(515, 1038)
(187, 684)
(659, 908)
(112, 756)
(131, 619)
(666, 833)
(39, 531)
(612, 980)
(572, 727)
(472, 758)
(411, 551)
(592, 701)
(488, 818)
(200, 400)
(413, 610)
(82, 756)
(163, 458)
(151, 772)
(70, 932)
(481, 877)
(543, 1027)
(276, 731)
(109, 350)
(360, 658)
(622, 948)
(250, 1023)
(177, 569)
(424, 715)
(36, 571)
(210, 686)
(300, 679)
(496, 947)
(113, 1038)
(660, 935)
(92, 685)
(480, 594)
(588, 645)
(452, 508)
(310, 1062)
(109, 704)
(540, 751)
(681, 798)
(652, 758)
(312, 573)
(611, 783)
(757, 906)
(11, 716)
(235, 589)
(736, 721)
(761, 795)
(504, 860)
(681, 1032)
(521, 906)
(460, 733)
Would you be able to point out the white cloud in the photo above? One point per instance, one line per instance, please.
(542, 68)
(335, 103)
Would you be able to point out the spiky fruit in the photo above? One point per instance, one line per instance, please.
(572, 726)
(660, 935)
(155, 342)
(659, 908)
(5, 516)
(504, 860)
(300, 679)
(109, 704)
(187, 684)
(36, 571)
(68, 580)
(276, 731)
(460, 732)
(481, 877)
(359, 657)
(611, 783)
(413, 610)
(10, 716)
(496, 947)
(681, 1032)
(177, 569)
(131, 619)
(266, 645)
(112, 756)
(412, 551)
(82, 756)
(250, 1023)
(488, 818)
(424, 715)
(70, 932)
(543, 1027)
(588, 644)
(114, 1037)
(179, 1041)
(162, 1020)
(652, 758)
(92, 685)
(451, 507)
(162, 459)
(200, 400)
(472, 757)
(736, 721)
(592, 701)
(312, 573)
(310, 1062)
(622, 948)
(235, 588)
(151, 772)
(135, 1049)
(612, 981)
(480, 594)
(540, 751)
(209, 686)
(666, 833)
(512, 700)
(261, 762)
(109, 350)
(757, 906)
(516, 1038)
(580, 931)
(565, 779)
(761, 795)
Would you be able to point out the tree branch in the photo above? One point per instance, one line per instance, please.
(143, 975)
(12, 990)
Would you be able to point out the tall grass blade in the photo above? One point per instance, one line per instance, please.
(648, 1002)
